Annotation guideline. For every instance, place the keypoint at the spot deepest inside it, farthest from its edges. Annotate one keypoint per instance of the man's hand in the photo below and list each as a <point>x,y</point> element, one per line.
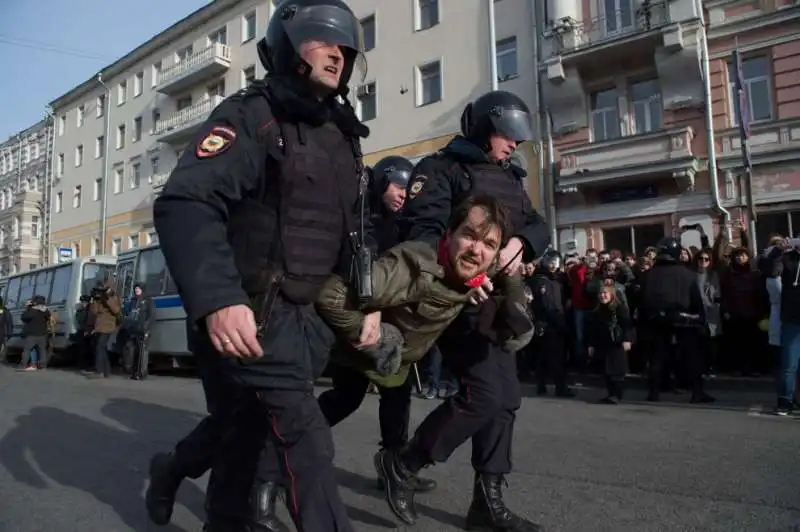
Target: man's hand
<point>233,332</point>
<point>626,346</point>
<point>481,294</point>
<point>590,351</point>
<point>511,257</point>
<point>370,331</point>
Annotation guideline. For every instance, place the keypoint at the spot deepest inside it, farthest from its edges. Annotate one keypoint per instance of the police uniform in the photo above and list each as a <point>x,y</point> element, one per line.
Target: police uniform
<point>551,326</point>
<point>258,212</point>
<point>350,385</point>
<point>672,313</point>
<point>489,395</point>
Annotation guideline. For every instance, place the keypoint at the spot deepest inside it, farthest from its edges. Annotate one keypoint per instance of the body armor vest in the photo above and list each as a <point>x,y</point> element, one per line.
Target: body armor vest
<point>295,225</point>
<point>493,180</point>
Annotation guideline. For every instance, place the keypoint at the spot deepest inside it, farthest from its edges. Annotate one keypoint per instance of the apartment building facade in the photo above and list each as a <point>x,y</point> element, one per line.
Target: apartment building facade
<point>25,176</point>
<point>624,85</point>
<point>426,60</point>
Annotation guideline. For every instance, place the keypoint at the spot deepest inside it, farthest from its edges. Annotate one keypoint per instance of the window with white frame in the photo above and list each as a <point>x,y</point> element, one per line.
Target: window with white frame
<point>34,226</point>
<point>136,175</point>
<point>76,197</point>
<point>97,192</point>
<point>100,105</point>
<point>248,76</point>
<point>133,241</point>
<point>79,155</point>
<point>118,179</point>
<point>17,227</point>
<point>76,249</point>
<point>757,89</point>
<point>249,26</point>
<point>218,37</point>
<point>120,136</point>
<point>99,146</point>
<point>137,129</point>
<point>59,200</point>
<point>618,16</point>
<point>646,103</point>
<point>368,30</point>
<point>122,92</point>
<point>138,84</point>
<point>62,124</point>
<point>155,72</point>
<point>152,238</point>
<point>60,165</point>
<point>427,14</point>
<point>184,53</point>
<point>507,59</point>
<point>217,88</point>
<point>367,101</point>
<point>153,169</point>
<point>26,154</point>
<point>429,83</point>
<point>80,115</point>
<point>95,246</point>
<point>605,115</point>
<point>35,153</point>
<point>116,246</point>
<point>183,103</point>
<point>156,116</point>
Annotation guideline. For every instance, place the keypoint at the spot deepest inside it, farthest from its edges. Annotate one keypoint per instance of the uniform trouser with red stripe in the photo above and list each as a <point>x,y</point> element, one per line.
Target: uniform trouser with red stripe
<point>484,410</point>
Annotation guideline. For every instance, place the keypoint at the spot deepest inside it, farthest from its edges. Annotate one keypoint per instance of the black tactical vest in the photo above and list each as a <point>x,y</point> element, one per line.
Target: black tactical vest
<point>493,180</point>
<point>295,225</point>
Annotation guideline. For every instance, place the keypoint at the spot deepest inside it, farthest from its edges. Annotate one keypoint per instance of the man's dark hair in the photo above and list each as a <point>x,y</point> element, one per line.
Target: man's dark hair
<point>496,214</point>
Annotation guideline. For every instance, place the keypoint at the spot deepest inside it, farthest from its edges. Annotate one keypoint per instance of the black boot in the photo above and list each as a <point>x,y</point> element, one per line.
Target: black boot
<point>397,481</point>
<point>488,512</point>
<point>264,498</point>
<point>164,484</point>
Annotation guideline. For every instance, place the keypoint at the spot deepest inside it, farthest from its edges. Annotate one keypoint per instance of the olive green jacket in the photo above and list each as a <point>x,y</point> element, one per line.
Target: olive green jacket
<point>408,289</point>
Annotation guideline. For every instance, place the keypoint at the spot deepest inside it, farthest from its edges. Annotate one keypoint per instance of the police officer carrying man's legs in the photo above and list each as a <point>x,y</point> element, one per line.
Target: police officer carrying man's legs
<point>273,181</point>
<point>551,325</point>
<point>390,178</point>
<point>671,307</point>
<point>489,395</point>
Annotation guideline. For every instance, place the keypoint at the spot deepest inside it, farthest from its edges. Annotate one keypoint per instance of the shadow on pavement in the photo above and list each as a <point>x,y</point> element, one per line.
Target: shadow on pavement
<point>106,462</point>
<point>368,486</point>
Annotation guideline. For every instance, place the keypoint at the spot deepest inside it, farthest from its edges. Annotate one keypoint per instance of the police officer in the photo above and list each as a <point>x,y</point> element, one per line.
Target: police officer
<point>273,179</point>
<point>489,394</point>
<point>551,325</point>
<point>390,178</point>
<point>672,314</point>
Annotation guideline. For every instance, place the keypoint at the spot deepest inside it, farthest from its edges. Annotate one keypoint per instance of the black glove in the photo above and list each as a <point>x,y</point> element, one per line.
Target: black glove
<point>388,354</point>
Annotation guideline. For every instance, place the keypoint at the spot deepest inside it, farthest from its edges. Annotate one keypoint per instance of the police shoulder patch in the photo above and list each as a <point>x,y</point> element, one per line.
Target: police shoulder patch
<point>218,141</point>
<point>416,186</point>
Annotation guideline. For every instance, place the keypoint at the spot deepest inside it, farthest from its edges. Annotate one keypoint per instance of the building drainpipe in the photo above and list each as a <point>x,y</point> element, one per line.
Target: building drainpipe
<point>492,47</point>
<point>713,172</point>
<point>106,140</point>
<point>49,175</point>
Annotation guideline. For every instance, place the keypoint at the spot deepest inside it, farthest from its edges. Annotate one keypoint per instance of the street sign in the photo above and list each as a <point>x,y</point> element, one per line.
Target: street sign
<point>65,254</point>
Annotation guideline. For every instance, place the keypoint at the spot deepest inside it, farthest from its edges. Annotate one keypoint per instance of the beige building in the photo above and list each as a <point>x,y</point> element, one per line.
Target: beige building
<point>623,81</point>
<point>118,134</point>
<point>25,170</point>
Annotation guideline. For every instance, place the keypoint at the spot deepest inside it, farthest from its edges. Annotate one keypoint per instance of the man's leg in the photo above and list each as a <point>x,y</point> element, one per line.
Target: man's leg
<point>346,395</point>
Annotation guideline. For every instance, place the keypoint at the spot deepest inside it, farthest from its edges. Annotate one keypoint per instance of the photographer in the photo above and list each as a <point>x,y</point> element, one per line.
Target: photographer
<point>107,312</point>
<point>35,319</point>
<point>788,254</point>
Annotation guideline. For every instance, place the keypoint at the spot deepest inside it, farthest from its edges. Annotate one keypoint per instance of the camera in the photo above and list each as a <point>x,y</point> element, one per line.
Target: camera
<point>99,292</point>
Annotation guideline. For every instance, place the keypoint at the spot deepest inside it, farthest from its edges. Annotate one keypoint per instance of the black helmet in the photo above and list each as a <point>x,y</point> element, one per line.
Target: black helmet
<point>668,249</point>
<point>497,112</point>
<point>392,170</point>
<point>551,260</point>
<point>297,21</point>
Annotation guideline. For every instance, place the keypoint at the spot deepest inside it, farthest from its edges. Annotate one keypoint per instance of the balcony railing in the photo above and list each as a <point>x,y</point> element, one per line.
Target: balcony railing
<point>184,121</point>
<point>571,35</point>
<point>206,63</point>
<point>160,179</point>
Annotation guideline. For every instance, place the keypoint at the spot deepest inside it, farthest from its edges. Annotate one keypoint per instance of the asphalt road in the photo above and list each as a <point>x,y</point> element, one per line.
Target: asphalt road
<point>73,457</point>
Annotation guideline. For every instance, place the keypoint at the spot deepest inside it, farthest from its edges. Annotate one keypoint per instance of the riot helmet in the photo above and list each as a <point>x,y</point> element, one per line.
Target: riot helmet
<point>392,170</point>
<point>550,261</point>
<point>668,249</point>
<point>327,21</point>
<point>497,112</point>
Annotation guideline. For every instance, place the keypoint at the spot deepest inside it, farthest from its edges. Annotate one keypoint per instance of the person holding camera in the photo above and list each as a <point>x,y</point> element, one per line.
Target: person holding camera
<point>107,312</point>
<point>35,321</point>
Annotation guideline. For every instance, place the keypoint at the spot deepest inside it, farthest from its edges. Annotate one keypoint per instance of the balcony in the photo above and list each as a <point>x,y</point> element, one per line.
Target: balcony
<point>770,142</point>
<point>180,125</point>
<point>205,64</point>
<point>160,179</point>
<point>631,159</point>
<point>637,28</point>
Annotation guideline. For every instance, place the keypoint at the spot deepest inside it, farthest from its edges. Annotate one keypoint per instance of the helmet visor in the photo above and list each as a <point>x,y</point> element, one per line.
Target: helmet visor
<point>515,124</point>
<point>331,25</point>
<point>398,177</point>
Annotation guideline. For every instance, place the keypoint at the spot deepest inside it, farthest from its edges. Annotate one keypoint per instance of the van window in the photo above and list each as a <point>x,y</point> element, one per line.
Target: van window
<point>62,276</point>
<point>151,271</point>
<point>43,281</point>
<point>12,295</point>
<point>26,287</point>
